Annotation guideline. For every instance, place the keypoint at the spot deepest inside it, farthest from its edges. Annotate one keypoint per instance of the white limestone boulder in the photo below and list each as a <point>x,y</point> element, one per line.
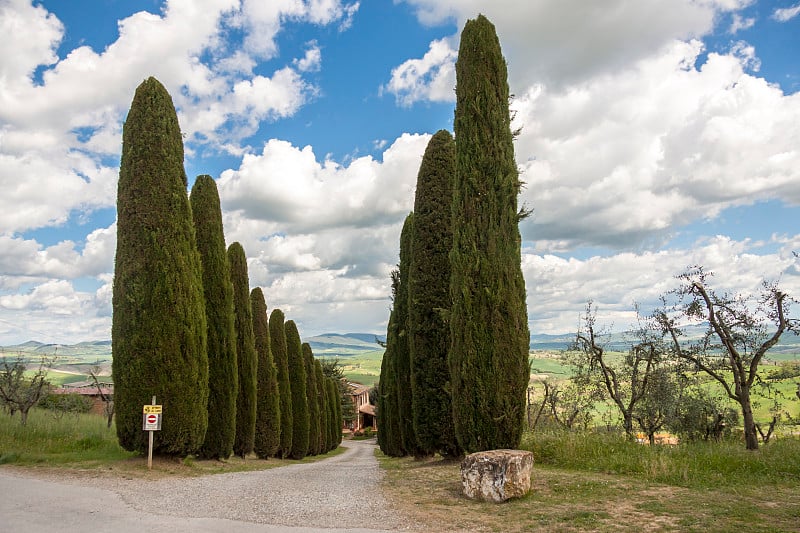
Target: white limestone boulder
<point>497,475</point>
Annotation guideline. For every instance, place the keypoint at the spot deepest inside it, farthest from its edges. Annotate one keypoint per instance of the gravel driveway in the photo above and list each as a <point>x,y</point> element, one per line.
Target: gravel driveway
<point>337,494</point>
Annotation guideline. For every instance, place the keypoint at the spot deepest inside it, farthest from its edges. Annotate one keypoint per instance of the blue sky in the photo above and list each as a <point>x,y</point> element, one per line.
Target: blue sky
<point>655,135</point>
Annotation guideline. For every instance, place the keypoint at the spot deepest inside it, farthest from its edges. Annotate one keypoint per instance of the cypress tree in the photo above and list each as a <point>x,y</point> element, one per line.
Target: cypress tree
<point>245,351</point>
<point>326,414</point>
<point>277,335</point>
<point>297,380</point>
<point>268,406</point>
<point>429,295</point>
<point>319,379</point>
<point>159,320</point>
<point>402,353</point>
<point>488,319</point>
<point>223,378</point>
<point>334,414</point>
<point>389,438</point>
<point>338,418</point>
<point>313,401</point>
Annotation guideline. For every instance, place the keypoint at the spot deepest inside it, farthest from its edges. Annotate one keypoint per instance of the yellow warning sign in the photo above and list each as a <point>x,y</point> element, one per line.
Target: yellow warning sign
<point>152,410</point>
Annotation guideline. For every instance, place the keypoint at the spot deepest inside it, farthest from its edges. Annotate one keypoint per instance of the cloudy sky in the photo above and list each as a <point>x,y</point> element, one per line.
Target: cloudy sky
<point>656,134</point>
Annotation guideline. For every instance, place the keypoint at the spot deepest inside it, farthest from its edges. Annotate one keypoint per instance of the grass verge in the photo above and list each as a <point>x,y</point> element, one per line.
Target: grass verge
<point>83,443</point>
<point>615,488</point>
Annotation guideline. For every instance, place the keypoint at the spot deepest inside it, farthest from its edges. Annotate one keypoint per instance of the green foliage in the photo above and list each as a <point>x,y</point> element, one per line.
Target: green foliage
<point>429,297</point>
<point>700,464</point>
<point>21,389</point>
<point>333,369</point>
<point>701,415</point>
<point>322,398</point>
<point>277,337</point>
<point>62,404</point>
<point>334,401</point>
<point>488,320</point>
<point>297,378</point>
<point>313,401</point>
<point>223,377</point>
<point>159,319</point>
<point>268,403</point>
<point>389,438</point>
<point>329,392</point>
<point>58,441</point>
<point>336,410</point>
<point>786,370</point>
<point>740,331</point>
<point>245,352</point>
<point>402,348</point>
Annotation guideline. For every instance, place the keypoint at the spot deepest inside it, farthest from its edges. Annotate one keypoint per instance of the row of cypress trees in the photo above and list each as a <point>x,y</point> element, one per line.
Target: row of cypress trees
<point>186,327</point>
<point>455,370</point>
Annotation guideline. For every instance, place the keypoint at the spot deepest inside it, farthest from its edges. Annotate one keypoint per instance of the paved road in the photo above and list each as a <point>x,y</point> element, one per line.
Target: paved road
<point>339,494</point>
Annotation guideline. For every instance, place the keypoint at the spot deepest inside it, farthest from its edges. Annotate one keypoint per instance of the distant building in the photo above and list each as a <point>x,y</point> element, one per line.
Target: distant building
<point>365,411</point>
<point>88,388</point>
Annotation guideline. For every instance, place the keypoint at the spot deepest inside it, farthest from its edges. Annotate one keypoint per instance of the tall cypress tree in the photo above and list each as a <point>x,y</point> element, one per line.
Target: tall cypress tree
<point>297,380</point>
<point>245,351</point>
<point>488,319</point>
<point>268,401</point>
<point>335,414</point>
<point>313,401</point>
<point>319,379</point>
<point>223,377</point>
<point>389,437</point>
<point>429,296</point>
<point>277,335</point>
<point>338,410</point>
<point>402,353</point>
<point>159,320</point>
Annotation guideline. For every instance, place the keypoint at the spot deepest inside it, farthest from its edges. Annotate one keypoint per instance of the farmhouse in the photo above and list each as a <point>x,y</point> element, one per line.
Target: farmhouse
<point>88,388</point>
<point>365,411</point>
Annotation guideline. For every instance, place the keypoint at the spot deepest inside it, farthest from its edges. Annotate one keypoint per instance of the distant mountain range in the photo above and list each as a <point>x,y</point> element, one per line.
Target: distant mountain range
<point>622,341</point>
<point>349,344</point>
<point>93,350</point>
<point>327,345</point>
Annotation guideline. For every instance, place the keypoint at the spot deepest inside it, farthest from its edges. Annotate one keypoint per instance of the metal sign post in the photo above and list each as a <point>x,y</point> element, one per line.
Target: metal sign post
<point>151,421</point>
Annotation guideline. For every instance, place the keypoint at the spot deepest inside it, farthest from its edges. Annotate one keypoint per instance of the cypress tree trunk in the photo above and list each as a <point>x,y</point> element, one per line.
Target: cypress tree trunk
<point>277,334</point>
<point>313,401</point>
<point>402,354</point>
<point>429,295</point>
<point>159,318</point>
<point>297,378</point>
<point>268,406</point>
<point>223,377</point>
<point>322,438</point>
<point>245,351</point>
<point>488,320</point>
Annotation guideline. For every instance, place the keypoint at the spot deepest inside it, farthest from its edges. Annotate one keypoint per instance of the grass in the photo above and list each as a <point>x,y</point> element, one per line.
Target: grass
<point>364,368</point>
<point>83,442</point>
<point>695,465</point>
<point>48,441</point>
<point>596,482</point>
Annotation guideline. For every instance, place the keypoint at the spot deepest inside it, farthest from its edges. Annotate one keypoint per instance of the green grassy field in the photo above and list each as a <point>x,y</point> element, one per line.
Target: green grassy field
<point>84,442</point>
<point>51,441</point>
<point>364,368</point>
